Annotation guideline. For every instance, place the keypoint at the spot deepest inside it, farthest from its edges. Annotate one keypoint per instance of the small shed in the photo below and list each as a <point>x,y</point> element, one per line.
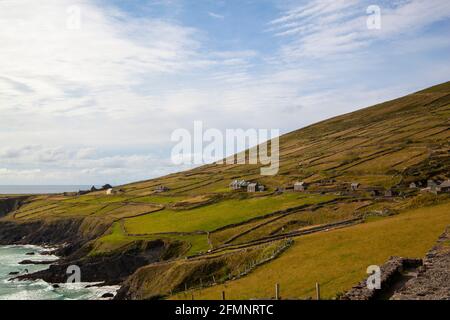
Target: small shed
<point>279,190</point>
<point>355,186</point>
<point>300,186</point>
<point>255,187</point>
<point>252,187</point>
<point>161,189</point>
<point>389,193</point>
<point>413,185</point>
<point>109,191</point>
<point>431,184</point>
<point>444,187</point>
<point>239,184</point>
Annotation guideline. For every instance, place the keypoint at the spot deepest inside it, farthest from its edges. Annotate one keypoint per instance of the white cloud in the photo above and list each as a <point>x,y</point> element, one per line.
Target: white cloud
<point>324,28</point>
<point>99,104</point>
<point>216,15</point>
<point>53,63</point>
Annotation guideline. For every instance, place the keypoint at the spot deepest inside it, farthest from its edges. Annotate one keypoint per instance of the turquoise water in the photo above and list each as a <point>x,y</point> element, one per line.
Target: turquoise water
<point>10,256</point>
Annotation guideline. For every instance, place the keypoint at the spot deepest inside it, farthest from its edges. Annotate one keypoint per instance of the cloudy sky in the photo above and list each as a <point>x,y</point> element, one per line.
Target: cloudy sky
<point>90,91</point>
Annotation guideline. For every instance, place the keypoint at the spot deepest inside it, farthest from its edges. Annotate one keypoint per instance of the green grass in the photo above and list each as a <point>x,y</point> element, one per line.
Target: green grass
<point>211,217</point>
<point>338,259</point>
<point>158,199</point>
<point>116,239</point>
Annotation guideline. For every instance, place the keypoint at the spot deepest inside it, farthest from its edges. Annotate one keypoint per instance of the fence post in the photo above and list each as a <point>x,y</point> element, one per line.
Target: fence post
<point>277,291</point>
<point>223,295</point>
<point>317,291</point>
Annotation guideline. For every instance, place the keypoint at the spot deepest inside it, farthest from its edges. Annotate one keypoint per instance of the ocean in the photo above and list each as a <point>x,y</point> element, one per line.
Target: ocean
<point>10,256</point>
<point>42,189</point>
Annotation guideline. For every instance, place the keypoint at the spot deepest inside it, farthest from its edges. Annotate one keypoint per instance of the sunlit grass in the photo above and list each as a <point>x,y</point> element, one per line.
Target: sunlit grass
<point>217,215</point>
<point>338,259</point>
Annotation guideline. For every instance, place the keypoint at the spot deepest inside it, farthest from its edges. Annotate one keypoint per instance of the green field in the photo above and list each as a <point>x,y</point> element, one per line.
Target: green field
<point>338,259</point>
<point>211,217</point>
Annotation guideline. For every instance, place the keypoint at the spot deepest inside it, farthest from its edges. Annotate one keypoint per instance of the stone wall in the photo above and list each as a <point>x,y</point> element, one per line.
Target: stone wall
<point>433,279</point>
<point>391,272</point>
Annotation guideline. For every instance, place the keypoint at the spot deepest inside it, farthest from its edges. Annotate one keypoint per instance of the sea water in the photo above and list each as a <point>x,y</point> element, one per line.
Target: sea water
<point>10,289</point>
<point>42,189</point>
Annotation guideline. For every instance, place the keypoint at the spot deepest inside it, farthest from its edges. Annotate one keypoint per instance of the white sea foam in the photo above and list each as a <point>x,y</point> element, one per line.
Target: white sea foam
<point>10,256</point>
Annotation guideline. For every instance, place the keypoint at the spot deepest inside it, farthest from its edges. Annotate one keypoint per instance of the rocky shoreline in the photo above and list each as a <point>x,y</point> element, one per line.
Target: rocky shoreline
<point>74,246</point>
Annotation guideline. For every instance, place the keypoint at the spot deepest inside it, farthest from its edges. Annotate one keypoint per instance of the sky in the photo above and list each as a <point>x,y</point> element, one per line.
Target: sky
<point>91,90</point>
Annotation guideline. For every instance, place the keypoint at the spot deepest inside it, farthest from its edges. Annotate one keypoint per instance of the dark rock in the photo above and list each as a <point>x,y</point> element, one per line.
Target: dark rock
<point>30,253</point>
<point>56,286</point>
<point>111,269</point>
<point>30,262</point>
<point>108,295</point>
<point>15,273</point>
<point>11,204</point>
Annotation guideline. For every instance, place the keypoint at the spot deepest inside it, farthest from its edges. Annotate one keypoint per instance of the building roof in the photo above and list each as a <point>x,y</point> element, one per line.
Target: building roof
<point>445,184</point>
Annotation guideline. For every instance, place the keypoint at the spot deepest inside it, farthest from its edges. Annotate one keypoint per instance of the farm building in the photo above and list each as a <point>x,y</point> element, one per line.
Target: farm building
<point>355,186</point>
<point>161,189</point>
<point>431,184</point>
<point>109,191</point>
<point>279,190</point>
<point>389,193</point>
<point>412,185</point>
<point>375,193</point>
<point>239,184</point>
<point>444,187</point>
<point>255,187</point>
<point>300,186</point>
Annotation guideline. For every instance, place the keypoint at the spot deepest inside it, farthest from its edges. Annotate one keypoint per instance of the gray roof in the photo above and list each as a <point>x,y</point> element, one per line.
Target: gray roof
<point>445,184</point>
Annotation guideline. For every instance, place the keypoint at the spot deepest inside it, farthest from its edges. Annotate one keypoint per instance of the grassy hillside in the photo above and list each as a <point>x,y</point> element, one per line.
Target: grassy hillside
<point>385,146</point>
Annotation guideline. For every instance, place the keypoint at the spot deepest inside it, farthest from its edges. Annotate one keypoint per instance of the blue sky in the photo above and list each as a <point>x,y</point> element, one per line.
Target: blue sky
<point>91,90</point>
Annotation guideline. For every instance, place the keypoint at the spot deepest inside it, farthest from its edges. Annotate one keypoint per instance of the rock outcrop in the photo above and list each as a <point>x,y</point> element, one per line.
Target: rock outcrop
<point>11,204</point>
<point>113,268</point>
